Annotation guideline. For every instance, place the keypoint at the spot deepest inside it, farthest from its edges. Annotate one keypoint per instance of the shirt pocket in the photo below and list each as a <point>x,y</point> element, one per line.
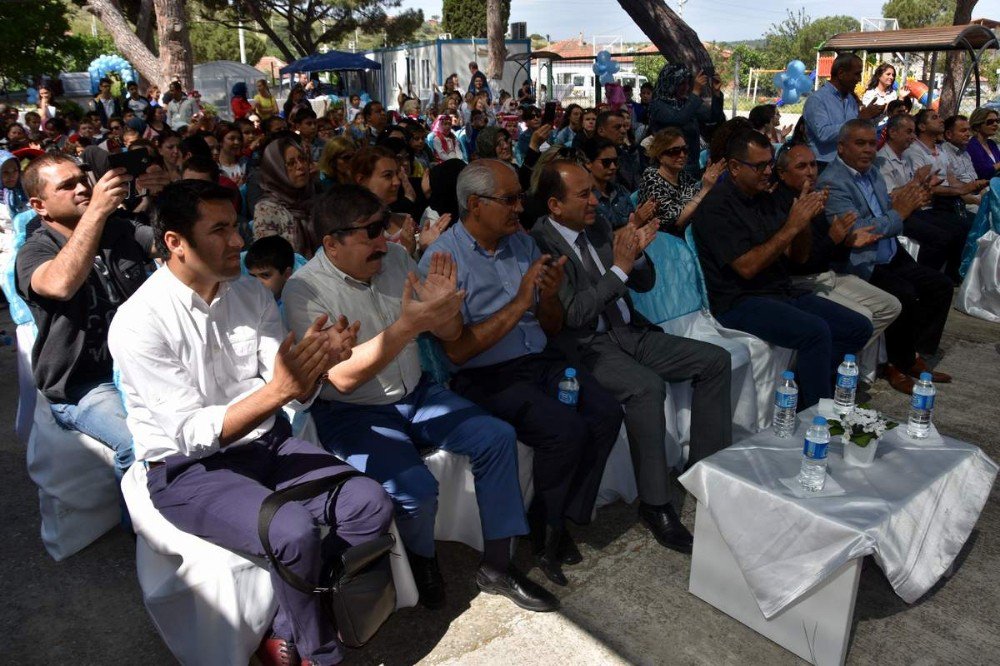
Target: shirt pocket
<point>243,354</point>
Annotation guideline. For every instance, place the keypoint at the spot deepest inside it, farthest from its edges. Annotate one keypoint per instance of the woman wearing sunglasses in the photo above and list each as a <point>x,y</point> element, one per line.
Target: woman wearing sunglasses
<point>614,201</point>
<point>982,148</point>
<point>676,192</point>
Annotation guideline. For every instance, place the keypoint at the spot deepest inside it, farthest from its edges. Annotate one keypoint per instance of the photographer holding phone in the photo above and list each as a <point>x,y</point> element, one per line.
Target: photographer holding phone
<point>678,102</point>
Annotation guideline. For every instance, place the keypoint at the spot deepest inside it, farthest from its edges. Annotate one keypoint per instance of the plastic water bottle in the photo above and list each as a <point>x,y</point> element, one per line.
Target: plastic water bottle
<point>569,388</point>
<point>786,400</point>
<point>921,406</point>
<point>847,385</point>
<point>812,474</point>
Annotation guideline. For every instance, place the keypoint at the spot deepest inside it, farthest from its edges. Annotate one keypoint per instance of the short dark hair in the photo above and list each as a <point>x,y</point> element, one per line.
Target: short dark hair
<point>195,144</point>
<point>603,117</point>
<point>594,146</point>
<point>738,147</point>
<point>921,117</point>
<point>761,116</point>
<point>302,113</point>
<point>202,164</point>
<point>176,209</point>
<point>270,252</point>
<point>550,181</point>
<point>367,111</point>
<point>646,86</point>
<point>842,62</point>
<point>266,125</point>
<point>342,206</point>
<point>31,179</point>
<point>104,80</point>
<point>949,122</point>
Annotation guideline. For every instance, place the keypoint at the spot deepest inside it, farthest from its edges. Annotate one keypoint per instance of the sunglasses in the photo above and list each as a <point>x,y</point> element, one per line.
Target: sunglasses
<point>992,121</point>
<point>676,151</point>
<point>373,229</point>
<point>607,162</point>
<point>759,167</point>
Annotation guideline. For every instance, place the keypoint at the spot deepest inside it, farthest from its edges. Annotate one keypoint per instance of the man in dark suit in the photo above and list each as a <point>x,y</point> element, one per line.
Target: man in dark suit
<point>626,354</point>
<point>105,104</point>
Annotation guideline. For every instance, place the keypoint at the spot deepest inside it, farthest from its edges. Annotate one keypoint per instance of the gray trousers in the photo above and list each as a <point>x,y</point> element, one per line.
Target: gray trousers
<point>634,364</point>
<point>852,292</point>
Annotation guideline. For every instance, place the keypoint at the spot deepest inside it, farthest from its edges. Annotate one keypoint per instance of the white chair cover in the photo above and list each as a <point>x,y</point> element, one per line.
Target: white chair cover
<point>911,246</point>
<point>458,513</point>
<point>979,294</point>
<point>77,493</point>
<point>211,605</point>
<point>25,337</point>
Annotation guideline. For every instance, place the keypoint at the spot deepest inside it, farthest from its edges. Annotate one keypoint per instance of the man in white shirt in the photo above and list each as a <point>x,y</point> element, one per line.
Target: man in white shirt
<point>957,134</point>
<point>378,411</point>
<point>206,368</point>
<point>940,232</point>
<point>180,108</point>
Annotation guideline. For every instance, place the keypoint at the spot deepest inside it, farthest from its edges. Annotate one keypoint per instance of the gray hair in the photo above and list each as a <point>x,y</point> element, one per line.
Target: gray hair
<point>851,125</point>
<point>477,179</point>
<point>895,121</point>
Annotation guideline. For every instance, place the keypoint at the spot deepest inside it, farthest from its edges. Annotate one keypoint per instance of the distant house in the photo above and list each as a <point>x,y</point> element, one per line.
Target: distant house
<point>573,77</point>
<point>270,66</point>
<point>416,68</point>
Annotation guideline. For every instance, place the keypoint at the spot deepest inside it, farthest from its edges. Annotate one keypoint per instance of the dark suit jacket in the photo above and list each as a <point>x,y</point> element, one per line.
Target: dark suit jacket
<point>119,109</point>
<point>582,300</point>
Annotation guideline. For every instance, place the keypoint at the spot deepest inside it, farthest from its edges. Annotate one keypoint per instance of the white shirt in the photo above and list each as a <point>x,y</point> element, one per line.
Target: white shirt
<point>895,169</point>
<point>183,362</point>
<point>919,155</point>
<point>571,235</point>
<point>320,288</point>
<point>960,162</point>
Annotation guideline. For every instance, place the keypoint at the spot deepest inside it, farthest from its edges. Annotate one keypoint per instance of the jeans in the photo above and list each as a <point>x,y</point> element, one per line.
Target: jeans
<point>384,442</point>
<point>99,413</point>
<point>820,330</point>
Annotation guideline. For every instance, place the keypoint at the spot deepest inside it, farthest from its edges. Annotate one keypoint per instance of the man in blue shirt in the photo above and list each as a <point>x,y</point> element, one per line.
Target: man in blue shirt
<point>507,367</point>
<point>831,106</point>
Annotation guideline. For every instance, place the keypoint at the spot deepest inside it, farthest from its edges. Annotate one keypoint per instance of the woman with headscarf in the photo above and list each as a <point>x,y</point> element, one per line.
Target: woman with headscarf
<point>286,195</point>
<point>13,197</point>
<point>495,143</point>
<point>677,102</point>
<point>240,104</point>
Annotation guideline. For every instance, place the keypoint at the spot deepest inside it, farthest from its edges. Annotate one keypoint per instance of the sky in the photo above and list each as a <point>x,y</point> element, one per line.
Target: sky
<point>713,20</point>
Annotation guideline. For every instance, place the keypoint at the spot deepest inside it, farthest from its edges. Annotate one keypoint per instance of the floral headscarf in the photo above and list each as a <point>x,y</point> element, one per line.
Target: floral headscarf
<point>670,78</point>
<point>14,198</point>
<point>437,131</point>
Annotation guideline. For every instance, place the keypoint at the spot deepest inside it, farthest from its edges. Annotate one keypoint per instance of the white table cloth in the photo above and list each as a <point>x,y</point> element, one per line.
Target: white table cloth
<point>913,509</point>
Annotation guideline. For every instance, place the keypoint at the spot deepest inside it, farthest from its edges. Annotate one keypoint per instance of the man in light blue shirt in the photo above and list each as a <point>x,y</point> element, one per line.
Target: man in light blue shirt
<point>831,106</point>
<point>507,367</point>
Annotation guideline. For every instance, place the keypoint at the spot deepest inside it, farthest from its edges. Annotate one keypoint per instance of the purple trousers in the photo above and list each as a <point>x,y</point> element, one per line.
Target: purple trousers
<point>218,498</point>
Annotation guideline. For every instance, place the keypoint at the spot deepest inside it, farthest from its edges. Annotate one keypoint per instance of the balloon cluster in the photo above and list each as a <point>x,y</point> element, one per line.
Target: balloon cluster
<point>605,68</point>
<point>104,65</point>
<point>793,82</point>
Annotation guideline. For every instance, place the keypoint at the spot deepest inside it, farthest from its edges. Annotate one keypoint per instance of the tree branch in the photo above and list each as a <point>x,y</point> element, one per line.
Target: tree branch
<point>669,33</point>
<point>137,53</point>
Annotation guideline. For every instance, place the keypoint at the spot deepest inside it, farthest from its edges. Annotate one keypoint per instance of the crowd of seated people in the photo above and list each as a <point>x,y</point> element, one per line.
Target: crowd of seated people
<point>513,244</point>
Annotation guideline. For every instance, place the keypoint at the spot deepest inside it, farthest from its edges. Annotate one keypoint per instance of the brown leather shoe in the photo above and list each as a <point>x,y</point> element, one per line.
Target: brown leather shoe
<point>920,365</point>
<point>898,380</point>
<point>274,651</point>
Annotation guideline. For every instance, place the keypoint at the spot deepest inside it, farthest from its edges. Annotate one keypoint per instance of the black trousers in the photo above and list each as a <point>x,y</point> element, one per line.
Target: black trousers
<point>571,445</point>
<point>925,295</point>
<point>941,233</point>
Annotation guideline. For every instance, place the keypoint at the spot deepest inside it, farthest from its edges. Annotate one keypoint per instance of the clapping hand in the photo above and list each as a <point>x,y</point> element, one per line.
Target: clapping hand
<point>862,237</point>
<point>646,211</point>
<point>342,337</point>
<point>431,230</point>
<point>712,173</point>
<point>298,366</point>
<point>840,228</point>
<point>441,305</point>
<point>806,206</point>
<point>550,277</point>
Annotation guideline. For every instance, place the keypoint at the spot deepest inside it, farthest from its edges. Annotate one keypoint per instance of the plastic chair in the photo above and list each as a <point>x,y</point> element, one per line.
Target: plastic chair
<point>25,331</point>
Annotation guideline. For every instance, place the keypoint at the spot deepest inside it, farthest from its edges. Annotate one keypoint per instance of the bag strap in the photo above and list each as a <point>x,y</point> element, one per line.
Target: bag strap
<point>276,500</point>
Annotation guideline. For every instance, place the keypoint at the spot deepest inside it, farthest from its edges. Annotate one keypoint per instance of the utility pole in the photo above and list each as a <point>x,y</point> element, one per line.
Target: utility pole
<point>243,43</point>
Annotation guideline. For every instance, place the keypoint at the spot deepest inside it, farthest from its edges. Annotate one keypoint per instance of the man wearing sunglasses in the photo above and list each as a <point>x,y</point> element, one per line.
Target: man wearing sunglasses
<point>744,243</point>
<point>630,357</point>
<point>378,411</point>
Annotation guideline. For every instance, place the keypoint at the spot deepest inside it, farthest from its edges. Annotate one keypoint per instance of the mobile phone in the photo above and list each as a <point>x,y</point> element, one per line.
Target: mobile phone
<point>135,162</point>
<point>549,114</point>
<point>709,72</point>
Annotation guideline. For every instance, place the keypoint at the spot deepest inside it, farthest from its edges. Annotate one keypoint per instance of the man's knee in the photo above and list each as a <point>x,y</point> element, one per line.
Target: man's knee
<point>368,504</point>
<point>414,490</point>
<point>294,534</point>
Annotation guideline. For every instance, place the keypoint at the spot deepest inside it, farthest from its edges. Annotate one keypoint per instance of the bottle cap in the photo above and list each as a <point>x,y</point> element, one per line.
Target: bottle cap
<point>788,374</point>
<point>571,372</point>
<point>819,420</point>
<point>850,358</point>
<point>926,377</point>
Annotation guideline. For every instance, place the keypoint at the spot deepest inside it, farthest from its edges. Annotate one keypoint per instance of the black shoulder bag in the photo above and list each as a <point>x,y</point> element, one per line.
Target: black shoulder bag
<point>357,590</point>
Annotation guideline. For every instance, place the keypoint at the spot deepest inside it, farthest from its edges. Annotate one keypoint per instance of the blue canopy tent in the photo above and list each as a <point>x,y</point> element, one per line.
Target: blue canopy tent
<point>334,61</point>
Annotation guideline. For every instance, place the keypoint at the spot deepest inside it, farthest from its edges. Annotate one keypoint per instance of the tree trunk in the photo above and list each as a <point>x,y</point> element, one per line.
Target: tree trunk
<point>954,68</point>
<point>126,41</point>
<point>495,31</point>
<point>676,40</point>
<point>176,57</point>
<point>144,31</point>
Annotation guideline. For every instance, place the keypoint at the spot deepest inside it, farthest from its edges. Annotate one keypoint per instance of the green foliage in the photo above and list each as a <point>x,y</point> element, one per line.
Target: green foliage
<point>212,41</point>
<point>649,66</point>
<point>920,13</point>
<point>34,38</point>
<point>467,18</point>
<point>798,36</point>
<point>87,48</point>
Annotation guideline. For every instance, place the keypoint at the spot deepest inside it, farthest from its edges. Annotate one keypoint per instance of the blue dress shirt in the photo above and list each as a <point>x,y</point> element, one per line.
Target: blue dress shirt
<point>825,112</point>
<point>491,281</point>
<point>885,249</point>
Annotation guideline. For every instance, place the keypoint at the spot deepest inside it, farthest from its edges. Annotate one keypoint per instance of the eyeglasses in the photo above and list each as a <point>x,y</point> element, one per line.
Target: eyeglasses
<point>607,162</point>
<point>991,121</point>
<point>759,167</point>
<point>509,200</point>
<point>676,151</point>
<point>373,229</point>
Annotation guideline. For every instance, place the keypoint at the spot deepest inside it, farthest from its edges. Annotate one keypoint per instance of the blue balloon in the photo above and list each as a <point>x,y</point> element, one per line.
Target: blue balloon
<point>779,80</point>
<point>796,68</point>
<point>780,103</point>
<point>599,68</point>
<point>614,67</point>
<point>607,77</point>
<point>603,56</point>
<point>790,96</point>
<point>803,84</point>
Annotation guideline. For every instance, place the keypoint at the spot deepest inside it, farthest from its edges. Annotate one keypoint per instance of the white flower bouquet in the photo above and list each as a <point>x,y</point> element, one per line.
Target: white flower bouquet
<point>861,425</point>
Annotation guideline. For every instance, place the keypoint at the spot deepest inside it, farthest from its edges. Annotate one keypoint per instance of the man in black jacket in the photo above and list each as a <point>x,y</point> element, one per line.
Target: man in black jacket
<point>625,353</point>
<point>831,244</point>
<point>106,105</point>
<point>74,271</point>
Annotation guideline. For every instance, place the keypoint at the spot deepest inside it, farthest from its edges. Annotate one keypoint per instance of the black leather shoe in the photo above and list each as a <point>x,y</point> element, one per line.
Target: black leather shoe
<point>549,560</point>
<point>666,527</point>
<point>428,578</point>
<point>517,587</point>
<point>568,552</point>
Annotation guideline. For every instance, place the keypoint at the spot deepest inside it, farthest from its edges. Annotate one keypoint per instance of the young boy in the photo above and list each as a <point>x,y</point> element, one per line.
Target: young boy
<point>270,260</point>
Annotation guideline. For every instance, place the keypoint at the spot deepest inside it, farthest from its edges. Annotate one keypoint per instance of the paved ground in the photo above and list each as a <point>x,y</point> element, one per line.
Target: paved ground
<point>626,603</point>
